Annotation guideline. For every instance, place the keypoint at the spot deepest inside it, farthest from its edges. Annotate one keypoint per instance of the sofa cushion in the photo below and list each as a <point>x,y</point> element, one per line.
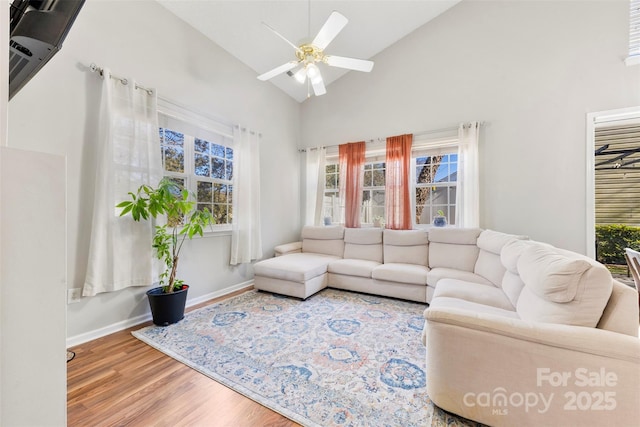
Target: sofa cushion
<point>406,247</point>
<point>323,240</point>
<point>512,286</point>
<point>363,243</point>
<point>488,264</point>
<point>460,304</point>
<point>352,267</point>
<point>550,275</point>
<point>457,236</point>
<point>473,292</point>
<point>402,273</point>
<point>435,274</point>
<point>453,248</point>
<point>297,267</point>
<point>493,241</point>
<point>562,287</point>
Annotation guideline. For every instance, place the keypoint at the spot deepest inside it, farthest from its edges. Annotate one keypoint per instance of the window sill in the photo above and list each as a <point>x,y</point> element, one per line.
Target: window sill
<point>632,60</point>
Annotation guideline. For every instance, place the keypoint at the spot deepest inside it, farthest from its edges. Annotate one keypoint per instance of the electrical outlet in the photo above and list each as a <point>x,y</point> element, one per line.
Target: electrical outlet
<point>74,295</point>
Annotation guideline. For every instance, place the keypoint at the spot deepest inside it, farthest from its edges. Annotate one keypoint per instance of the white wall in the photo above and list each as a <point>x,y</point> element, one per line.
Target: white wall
<point>57,113</point>
<point>32,273</point>
<point>531,70</point>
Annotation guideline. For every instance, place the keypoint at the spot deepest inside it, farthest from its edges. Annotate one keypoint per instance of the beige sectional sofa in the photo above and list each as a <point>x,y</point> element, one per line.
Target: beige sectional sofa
<point>518,332</point>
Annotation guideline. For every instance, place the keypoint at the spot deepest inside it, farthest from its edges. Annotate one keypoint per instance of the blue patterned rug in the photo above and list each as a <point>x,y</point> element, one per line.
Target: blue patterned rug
<point>336,359</point>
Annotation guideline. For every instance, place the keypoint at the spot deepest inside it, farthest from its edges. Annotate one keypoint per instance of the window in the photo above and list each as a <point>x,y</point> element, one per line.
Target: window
<point>372,193</point>
<point>435,165</point>
<point>435,187</point>
<point>197,154</point>
<point>207,172</point>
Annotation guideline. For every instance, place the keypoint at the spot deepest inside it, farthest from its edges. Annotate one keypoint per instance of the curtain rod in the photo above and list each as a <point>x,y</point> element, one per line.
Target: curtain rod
<point>94,68</point>
<point>373,140</point>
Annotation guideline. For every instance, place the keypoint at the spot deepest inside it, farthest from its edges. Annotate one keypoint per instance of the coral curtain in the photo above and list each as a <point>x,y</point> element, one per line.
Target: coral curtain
<point>246,237</point>
<point>468,187</point>
<point>120,252</point>
<point>397,186</point>
<point>351,160</point>
<point>315,183</point>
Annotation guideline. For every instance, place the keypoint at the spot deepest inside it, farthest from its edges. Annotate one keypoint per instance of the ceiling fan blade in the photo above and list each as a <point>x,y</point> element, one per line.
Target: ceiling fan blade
<point>335,23</point>
<point>282,37</point>
<point>278,70</point>
<point>349,63</point>
<point>318,86</point>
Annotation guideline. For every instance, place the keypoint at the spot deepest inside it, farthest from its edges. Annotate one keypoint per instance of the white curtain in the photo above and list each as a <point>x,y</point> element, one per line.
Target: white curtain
<point>315,167</point>
<point>468,187</point>
<point>246,240</point>
<point>120,252</point>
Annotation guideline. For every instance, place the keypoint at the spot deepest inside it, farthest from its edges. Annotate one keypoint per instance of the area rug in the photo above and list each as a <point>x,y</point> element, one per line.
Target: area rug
<point>335,359</point>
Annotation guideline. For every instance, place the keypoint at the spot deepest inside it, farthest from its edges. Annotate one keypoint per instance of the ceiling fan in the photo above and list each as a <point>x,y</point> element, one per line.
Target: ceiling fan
<point>309,54</point>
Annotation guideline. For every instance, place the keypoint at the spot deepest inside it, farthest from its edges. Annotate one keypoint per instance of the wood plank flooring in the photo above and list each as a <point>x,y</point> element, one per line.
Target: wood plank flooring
<point>118,380</point>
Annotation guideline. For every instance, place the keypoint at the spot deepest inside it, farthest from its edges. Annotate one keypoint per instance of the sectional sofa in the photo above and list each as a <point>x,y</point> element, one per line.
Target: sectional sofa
<point>517,332</point>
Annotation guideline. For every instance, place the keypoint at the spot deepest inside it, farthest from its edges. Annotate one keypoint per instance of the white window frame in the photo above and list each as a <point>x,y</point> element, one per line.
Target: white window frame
<point>447,184</point>
<point>634,33</point>
<point>194,125</point>
<point>428,145</point>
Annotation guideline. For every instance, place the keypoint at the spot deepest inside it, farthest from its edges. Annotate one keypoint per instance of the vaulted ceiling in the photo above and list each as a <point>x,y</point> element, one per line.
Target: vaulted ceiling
<point>236,26</point>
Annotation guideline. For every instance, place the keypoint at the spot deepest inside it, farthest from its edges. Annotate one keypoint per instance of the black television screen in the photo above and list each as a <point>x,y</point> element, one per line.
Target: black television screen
<point>37,30</point>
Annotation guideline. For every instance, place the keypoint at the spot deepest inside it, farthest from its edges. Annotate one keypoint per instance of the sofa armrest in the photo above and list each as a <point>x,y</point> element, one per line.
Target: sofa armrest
<point>505,371</point>
<point>288,248</point>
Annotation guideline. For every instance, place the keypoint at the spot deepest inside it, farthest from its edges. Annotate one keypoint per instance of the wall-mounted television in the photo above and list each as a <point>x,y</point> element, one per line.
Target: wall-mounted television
<point>37,30</point>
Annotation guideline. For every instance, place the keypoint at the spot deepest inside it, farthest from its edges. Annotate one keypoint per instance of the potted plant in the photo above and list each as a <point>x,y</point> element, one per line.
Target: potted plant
<point>440,220</point>
<point>184,221</point>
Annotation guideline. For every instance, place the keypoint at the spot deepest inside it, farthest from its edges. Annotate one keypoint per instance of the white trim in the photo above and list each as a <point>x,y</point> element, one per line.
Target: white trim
<point>632,60</point>
<point>593,120</point>
<point>127,323</point>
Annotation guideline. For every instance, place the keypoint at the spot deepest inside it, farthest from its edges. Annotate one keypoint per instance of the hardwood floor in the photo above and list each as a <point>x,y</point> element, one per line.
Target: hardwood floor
<point>118,380</point>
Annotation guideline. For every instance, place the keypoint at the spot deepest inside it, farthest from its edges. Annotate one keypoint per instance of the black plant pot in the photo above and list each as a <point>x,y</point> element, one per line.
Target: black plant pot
<point>167,308</point>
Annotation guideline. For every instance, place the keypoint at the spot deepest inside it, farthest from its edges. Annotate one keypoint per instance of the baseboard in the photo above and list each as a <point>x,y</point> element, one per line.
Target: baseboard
<point>124,324</point>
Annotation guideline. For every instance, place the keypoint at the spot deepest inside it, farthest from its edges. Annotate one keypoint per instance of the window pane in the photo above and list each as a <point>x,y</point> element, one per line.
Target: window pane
<point>179,181</point>
<point>202,164</point>
<point>220,213</point>
<point>217,168</point>
<point>378,178</point>
<point>331,181</point>
<point>173,138</point>
<point>201,145</point>
<point>229,153</point>
<point>204,192</point>
<point>368,178</point>
<point>220,193</point>
<point>229,193</point>
<point>440,197</point>
<point>229,171</point>
<point>203,206</point>
<point>331,168</point>
<point>173,159</point>
<point>217,150</point>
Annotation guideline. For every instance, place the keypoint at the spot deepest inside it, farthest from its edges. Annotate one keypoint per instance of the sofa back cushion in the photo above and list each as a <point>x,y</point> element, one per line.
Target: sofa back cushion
<point>406,246</point>
<point>453,248</point>
<point>562,287</point>
<point>323,240</point>
<point>363,243</point>
<point>489,265</point>
<point>512,284</point>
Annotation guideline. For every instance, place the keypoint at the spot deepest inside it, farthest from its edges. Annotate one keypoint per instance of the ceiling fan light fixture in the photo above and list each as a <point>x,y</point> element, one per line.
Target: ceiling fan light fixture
<point>300,75</point>
<point>313,73</point>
